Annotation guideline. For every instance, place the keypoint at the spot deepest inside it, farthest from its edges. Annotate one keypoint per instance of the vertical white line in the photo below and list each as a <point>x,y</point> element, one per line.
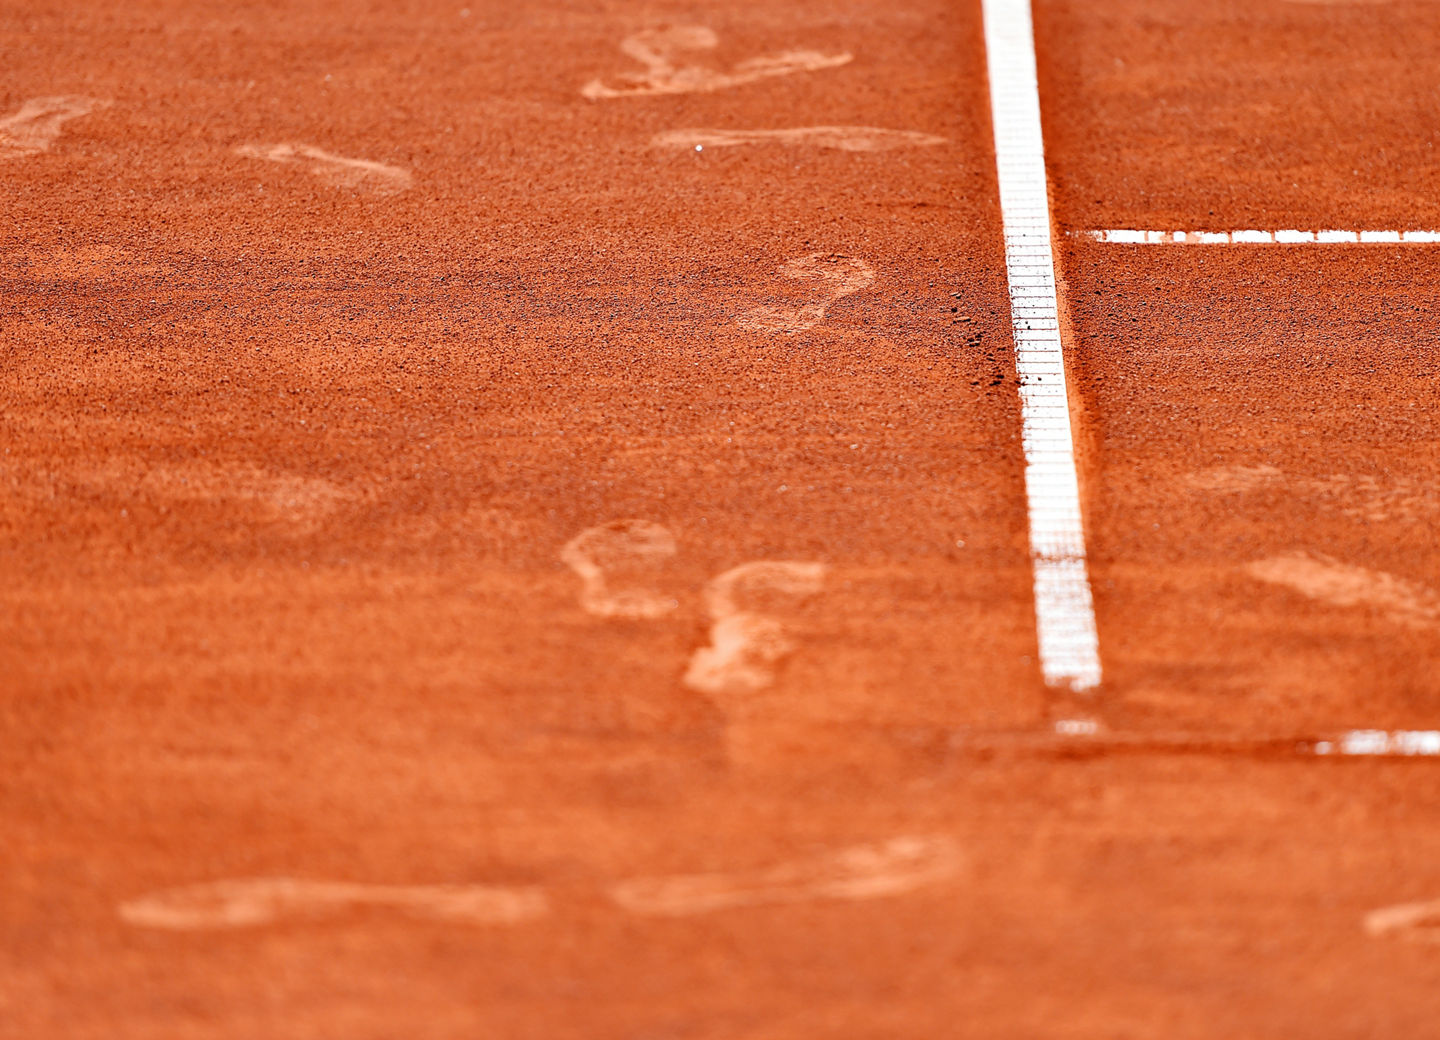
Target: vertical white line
<point>1064,610</point>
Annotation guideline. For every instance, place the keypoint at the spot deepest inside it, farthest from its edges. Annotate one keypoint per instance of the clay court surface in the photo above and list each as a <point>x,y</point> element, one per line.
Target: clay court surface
<point>513,524</point>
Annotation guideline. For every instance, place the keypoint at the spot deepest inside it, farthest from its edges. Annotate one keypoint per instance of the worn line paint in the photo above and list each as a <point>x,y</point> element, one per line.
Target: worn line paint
<point>1382,742</point>
<point>1284,237</point>
<point>1064,608</point>
<point>1366,743</point>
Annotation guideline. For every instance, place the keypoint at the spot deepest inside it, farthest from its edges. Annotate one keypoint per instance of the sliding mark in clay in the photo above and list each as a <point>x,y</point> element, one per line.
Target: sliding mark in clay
<point>1413,922</point>
<point>1360,496</point>
<point>889,868</point>
<point>250,902</point>
<point>1064,608</point>
<point>842,138</point>
<point>335,170</point>
<point>1345,585</point>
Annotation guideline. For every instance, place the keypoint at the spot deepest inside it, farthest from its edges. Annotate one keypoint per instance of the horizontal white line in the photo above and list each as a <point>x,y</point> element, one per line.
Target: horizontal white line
<point>1076,733</point>
<point>1382,742</point>
<point>1284,237</point>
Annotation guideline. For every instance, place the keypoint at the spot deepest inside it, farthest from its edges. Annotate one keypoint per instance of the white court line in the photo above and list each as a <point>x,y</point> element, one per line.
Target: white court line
<point>1133,236</point>
<point>1405,742</point>
<point>1064,609</point>
<point>1363,743</point>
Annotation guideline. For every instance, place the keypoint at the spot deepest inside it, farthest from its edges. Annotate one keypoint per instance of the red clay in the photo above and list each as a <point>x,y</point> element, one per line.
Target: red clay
<point>327,331</point>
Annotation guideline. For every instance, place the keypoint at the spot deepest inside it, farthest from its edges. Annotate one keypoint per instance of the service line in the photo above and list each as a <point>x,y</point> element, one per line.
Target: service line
<point>1086,736</point>
<point>1064,608</point>
<point>1402,742</point>
<point>1364,743</point>
<point>1132,236</point>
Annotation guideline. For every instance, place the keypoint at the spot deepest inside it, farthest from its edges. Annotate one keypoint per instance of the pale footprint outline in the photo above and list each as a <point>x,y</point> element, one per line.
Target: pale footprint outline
<point>841,138</point>
<point>844,275</point>
<point>596,551</point>
<point>746,646</point>
<point>253,902</point>
<point>38,122</point>
<point>656,50</point>
<point>1413,922</point>
<point>335,170</point>
<point>858,872</point>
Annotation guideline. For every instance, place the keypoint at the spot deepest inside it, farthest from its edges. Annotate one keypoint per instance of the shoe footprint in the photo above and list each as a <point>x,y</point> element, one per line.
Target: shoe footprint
<point>656,50</point>
<point>745,645</point>
<point>248,902</point>
<point>617,564</point>
<point>336,170</point>
<point>889,868</point>
<point>843,138</point>
<point>842,274</point>
<point>35,125</point>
